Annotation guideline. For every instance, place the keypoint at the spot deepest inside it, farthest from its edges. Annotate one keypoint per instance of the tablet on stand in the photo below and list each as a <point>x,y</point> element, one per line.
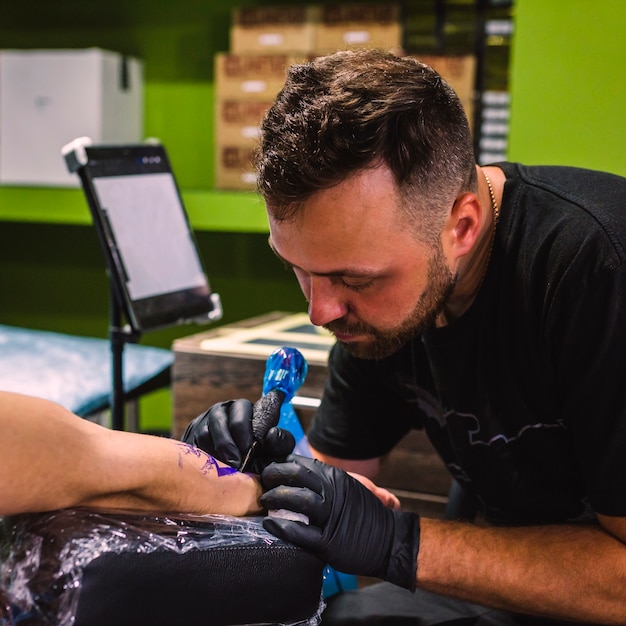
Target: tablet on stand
<point>156,275</point>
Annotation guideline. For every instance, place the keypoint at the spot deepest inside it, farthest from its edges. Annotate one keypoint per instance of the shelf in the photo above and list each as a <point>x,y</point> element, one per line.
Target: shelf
<point>228,211</point>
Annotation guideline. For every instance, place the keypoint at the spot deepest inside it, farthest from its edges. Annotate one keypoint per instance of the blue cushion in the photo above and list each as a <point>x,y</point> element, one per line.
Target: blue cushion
<point>73,371</point>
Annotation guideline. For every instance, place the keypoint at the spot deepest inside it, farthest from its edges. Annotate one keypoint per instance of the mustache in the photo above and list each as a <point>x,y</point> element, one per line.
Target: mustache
<point>342,326</point>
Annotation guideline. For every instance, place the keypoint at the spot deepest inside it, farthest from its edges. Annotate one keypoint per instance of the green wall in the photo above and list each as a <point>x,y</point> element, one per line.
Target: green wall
<point>567,83</point>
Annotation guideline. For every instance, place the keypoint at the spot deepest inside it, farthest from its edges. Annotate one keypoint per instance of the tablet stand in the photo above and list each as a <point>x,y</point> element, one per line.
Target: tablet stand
<point>119,335</point>
<point>130,315</point>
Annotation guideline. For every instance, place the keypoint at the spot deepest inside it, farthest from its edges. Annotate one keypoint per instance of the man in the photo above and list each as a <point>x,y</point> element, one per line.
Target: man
<point>484,305</point>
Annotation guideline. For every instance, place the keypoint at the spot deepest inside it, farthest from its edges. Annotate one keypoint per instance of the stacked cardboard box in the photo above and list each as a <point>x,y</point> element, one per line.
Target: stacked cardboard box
<point>265,41</point>
<point>273,29</point>
<point>315,29</point>
<point>359,25</point>
<point>246,85</point>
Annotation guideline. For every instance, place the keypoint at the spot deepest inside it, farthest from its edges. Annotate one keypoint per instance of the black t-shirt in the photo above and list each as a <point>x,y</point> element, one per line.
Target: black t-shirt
<point>524,397</point>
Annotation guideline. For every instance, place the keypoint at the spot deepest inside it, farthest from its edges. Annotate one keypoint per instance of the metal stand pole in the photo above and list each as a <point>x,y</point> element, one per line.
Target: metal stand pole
<point>119,335</point>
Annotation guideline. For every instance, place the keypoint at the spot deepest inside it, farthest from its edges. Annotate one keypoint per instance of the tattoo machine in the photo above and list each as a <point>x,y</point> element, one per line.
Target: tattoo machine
<point>285,371</point>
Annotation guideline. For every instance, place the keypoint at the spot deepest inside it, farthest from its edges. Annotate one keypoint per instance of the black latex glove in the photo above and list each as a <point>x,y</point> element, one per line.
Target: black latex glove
<point>350,528</point>
<point>225,432</point>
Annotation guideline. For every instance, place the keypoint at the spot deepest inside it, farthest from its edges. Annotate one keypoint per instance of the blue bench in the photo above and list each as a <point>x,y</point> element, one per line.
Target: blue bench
<point>76,371</point>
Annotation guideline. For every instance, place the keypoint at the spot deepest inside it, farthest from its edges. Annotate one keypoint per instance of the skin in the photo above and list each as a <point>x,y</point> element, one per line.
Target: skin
<point>373,278</point>
<point>56,460</point>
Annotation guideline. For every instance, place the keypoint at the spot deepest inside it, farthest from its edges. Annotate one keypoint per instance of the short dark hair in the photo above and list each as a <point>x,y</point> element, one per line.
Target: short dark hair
<point>352,110</point>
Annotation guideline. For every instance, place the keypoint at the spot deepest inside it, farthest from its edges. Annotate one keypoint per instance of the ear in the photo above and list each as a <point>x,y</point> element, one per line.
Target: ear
<point>463,225</point>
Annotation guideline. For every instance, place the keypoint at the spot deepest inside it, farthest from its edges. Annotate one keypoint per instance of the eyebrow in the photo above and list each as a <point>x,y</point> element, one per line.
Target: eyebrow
<point>348,273</point>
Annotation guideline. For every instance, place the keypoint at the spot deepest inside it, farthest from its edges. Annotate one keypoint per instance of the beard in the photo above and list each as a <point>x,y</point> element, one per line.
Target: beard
<point>383,343</point>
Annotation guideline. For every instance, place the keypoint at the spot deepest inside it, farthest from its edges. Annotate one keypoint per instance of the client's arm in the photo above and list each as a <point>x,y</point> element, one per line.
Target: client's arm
<point>52,459</point>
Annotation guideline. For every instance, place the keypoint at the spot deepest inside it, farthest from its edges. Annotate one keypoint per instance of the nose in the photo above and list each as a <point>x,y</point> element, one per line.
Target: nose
<point>326,302</point>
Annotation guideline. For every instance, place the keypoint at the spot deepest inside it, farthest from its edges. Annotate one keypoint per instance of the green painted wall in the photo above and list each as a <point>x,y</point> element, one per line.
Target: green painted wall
<point>567,82</point>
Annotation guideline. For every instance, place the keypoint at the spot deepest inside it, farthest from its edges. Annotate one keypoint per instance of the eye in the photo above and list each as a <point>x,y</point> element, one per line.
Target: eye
<point>356,285</point>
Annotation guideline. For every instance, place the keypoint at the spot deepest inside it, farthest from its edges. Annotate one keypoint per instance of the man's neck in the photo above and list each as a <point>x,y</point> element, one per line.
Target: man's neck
<point>472,273</point>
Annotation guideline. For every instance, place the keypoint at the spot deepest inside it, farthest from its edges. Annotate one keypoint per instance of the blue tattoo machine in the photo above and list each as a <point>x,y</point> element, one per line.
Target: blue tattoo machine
<point>285,371</point>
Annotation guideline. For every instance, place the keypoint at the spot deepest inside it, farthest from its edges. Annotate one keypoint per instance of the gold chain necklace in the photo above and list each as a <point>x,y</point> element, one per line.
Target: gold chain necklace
<point>496,216</point>
<point>494,204</point>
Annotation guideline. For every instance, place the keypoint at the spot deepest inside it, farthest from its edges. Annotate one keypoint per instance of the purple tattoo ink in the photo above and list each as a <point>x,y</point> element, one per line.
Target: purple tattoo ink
<point>209,461</point>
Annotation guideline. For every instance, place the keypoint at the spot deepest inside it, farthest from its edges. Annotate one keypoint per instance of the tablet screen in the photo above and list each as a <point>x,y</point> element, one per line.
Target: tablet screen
<point>145,218</point>
<point>149,246</point>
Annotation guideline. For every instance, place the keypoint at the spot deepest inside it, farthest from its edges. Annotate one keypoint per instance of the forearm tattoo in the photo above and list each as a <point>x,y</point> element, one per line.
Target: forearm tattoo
<point>210,463</point>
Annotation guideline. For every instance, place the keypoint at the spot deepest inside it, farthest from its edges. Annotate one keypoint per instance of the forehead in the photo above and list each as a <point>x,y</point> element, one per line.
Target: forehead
<point>356,222</point>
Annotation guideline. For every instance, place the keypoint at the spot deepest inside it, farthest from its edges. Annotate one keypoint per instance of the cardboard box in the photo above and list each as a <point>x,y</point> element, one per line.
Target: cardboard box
<point>233,166</point>
<point>252,76</point>
<point>347,26</point>
<point>50,97</point>
<point>245,87</point>
<point>239,121</point>
<point>273,29</point>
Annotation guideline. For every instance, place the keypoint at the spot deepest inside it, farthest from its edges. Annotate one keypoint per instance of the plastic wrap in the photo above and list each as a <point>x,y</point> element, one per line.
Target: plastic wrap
<point>50,562</point>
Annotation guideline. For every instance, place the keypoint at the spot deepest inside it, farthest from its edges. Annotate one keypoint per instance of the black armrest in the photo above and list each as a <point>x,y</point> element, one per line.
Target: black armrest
<point>125,568</point>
